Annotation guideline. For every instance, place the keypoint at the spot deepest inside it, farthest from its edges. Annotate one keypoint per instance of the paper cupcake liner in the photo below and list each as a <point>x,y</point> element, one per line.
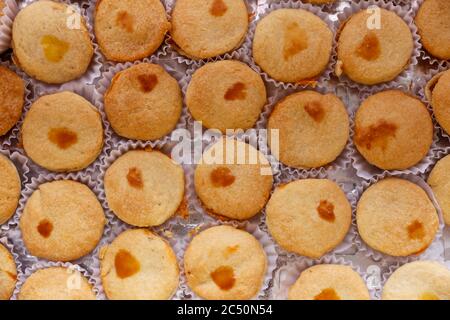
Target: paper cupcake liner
<point>9,246</point>
<point>405,78</point>
<point>368,171</point>
<point>436,248</point>
<point>174,54</point>
<point>263,10</point>
<point>49,264</point>
<point>175,70</point>
<point>93,71</point>
<point>6,21</point>
<point>16,234</point>
<point>252,228</point>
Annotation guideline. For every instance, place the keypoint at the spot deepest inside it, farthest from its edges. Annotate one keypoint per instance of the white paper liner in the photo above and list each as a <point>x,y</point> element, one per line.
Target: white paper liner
<point>10,247</point>
<point>174,54</point>
<point>286,275</point>
<point>175,70</point>
<point>263,10</point>
<point>368,171</point>
<point>49,264</point>
<point>404,79</point>
<point>6,21</point>
<point>436,248</point>
<point>93,71</point>
<point>252,228</point>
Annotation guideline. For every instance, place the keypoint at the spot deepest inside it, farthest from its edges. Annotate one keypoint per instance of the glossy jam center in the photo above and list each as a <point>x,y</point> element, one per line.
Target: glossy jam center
<point>295,40</point>
<point>62,137</point>
<point>147,82</point>
<point>134,178</point>
<point>223,277</point>
<point>326,211</point>
<point>315,111</point>
<point>126,265</point>
<point>416,230</point>
<point>327,294</point>
<point>369,49</point>
<point>54,49</point>
<point>45,228</point>
<point>376,135</point>
<point>236,92</point>
<point>218,8</point>
<point>125,21</point>
<point>222,177</point>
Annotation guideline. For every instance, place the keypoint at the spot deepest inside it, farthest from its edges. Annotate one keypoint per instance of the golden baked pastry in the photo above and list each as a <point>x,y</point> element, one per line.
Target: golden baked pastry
<point>62,132</point>
<point>329,282</point>
<point>387,138</point>
<point>439,181</point>
<point>226,95</point>
<point>292,45</point>
<point>128,30</point>
<point>437,91</point>
<point>433,22</point>
<point>313,129</point>
<point>62,221</point>
<point>371,54</point>
<point>235,186</point>
<point>53,50</point>
<point>224,263</point>
<point>309,217</point>
<point>143,102</point>
<point>144,187</point>
<point>396,217</point>
<point>8,273</point>
<point>208,28</point>
<point>139,265</point>
<point>10,187</point>
<point>56,283</point>
<point>12,92</point>
<point>418,280</point>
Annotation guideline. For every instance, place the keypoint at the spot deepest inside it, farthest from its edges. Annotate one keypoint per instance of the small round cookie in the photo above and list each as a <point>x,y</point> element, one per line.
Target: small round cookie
<point>8,273</point>
<point>418,280</point>
<point>208,28</point>
<point>396,217</point>
<point>143,102</point>
<point>10,187</point>
<point>388,139</point>
<point>433,22</point>
<point>12,98</point>
<point>292,45</point>
<point>128,30</point>
<point>62,221</point>
<point>139,265</point>
<point>313,129</point>
<point>233,180</point>
<point>374,46</point>
<point>224,263</point>
<point>309,217</point>
<point>439,181</point>
<point>62,132</point>
<point>226,95</point>
<point>56,283</point>
<point>144,187</point>
<point>58,48</point>
<point>329,282</point>
<point>437,91</point>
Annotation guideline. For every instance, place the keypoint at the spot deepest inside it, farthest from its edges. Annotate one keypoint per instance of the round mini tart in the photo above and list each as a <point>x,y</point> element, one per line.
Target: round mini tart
<point>313,129</point>
<point>439,181</point>
<point>138,265</point>
<point>10,187</point>
<point>309,217</point>
<point>62,132</point>
<point>388,139</point>
<point>224,263</point>
<point>144,187</point>
<point>329,282</point>
<point>396,217</point>
<point>369,53</point>
<point>8,274</point>
<point>226,95</point>
<point>12,92</point>
<point>53,50</point>
<point>62,221</point>
<point>437,91</point>
<point>143,102</point>
<point>208,28</point>
<point>433,22</point>
<point>56,283</point>
<point>129,30</point>
<point>292,45</point>
<point>418,280</point>
<point>233,180</point>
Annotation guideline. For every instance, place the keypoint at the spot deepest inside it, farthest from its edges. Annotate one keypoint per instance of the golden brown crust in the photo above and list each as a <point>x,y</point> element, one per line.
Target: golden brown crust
<point>438,93</point>
<point>439,180</point>
<point>8,273</point>
<point>12,91</point>
<point>10,187</point>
